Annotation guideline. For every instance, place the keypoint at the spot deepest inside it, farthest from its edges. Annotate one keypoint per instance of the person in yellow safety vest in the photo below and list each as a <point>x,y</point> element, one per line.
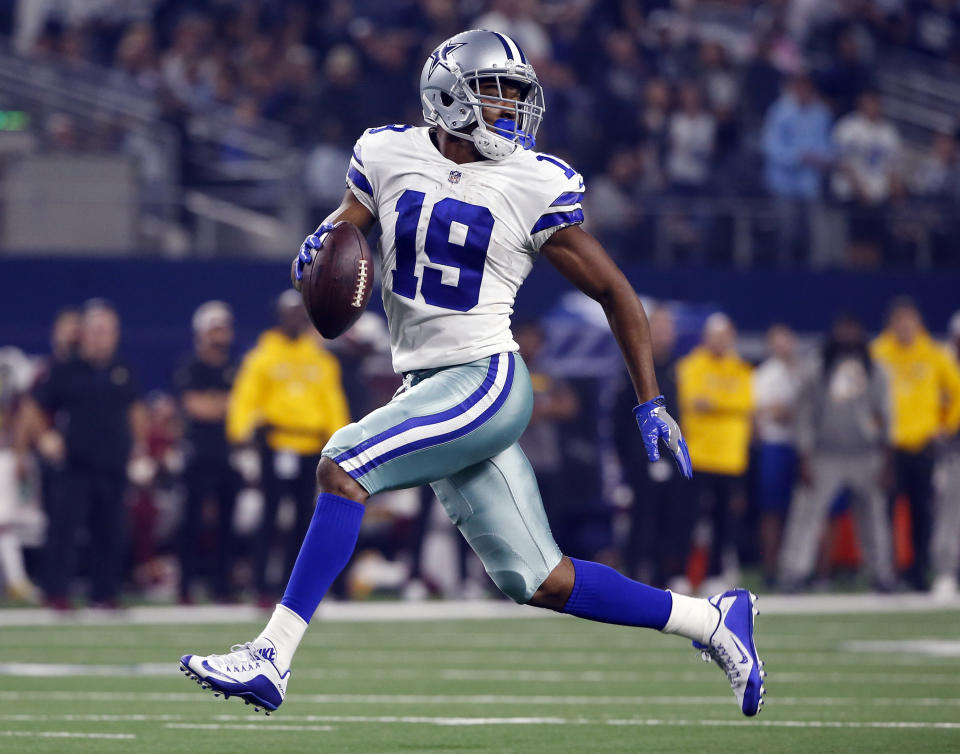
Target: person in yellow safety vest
<point>716,404</point>
<point>925,392</point>
<point>287,400</point>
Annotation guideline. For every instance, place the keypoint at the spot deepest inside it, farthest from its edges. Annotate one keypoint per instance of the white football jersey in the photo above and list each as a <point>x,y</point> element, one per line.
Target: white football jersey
<point>456,240</point>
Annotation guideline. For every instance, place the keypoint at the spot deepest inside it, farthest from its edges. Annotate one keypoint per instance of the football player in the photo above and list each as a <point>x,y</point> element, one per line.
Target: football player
<point>465,206</point>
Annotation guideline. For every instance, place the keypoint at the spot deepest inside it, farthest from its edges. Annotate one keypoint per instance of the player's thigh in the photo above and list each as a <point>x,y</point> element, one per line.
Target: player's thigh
<point>498,509</point>
<point>447,421</point>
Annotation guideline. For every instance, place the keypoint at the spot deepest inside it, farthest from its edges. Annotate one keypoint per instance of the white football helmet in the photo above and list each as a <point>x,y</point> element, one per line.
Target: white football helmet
<point>450,91</point>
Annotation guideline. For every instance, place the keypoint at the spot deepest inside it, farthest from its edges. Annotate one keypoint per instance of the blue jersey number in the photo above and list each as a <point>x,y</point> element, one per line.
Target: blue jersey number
<point>469,257</point>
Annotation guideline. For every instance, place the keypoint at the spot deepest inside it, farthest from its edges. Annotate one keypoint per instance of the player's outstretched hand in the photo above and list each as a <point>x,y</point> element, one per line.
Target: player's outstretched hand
<point>655,425</point>
<point>313,241</point>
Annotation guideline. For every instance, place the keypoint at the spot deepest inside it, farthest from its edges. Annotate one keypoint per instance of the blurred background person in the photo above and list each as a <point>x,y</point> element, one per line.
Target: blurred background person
<point>554,402</point>
<point>776,384</point>
<point>925,390</point>
<point>95,425</point>
<point>31,422</point>
<point>796,148</point>
<point>691,138</point>
<point>661,515</point>
<point>64,335</point>
<point>866,176</point>
<point>715,392</point>
<point>946,523</point>
<point>203,382</point>
<point>842,428</point>
<point>16,487</point>
<point>287,400</point>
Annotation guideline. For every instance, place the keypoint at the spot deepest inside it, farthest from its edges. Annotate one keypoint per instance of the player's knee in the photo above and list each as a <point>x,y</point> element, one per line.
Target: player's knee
<point>517,585</point>
<point>556,589</point>
<point>331,478</point>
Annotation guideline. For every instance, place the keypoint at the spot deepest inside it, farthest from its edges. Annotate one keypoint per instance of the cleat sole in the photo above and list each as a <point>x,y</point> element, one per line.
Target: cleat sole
<point>256,702</point>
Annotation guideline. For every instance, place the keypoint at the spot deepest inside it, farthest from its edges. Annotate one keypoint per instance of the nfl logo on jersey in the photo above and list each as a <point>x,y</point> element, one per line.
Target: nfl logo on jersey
<point>454,176</point>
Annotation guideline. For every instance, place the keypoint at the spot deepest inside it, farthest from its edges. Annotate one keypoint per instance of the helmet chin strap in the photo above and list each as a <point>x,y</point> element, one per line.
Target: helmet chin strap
<point>493,146</point>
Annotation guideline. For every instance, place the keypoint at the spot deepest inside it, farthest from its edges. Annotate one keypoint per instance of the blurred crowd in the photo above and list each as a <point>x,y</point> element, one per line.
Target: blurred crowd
<point>652,100</point>
<point>834,461</point>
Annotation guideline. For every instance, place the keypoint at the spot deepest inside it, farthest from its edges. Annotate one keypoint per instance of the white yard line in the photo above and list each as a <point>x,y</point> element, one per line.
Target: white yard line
<point>248,726</point>
<point>382,612</point>
<point>434,699</point>
<point>225,723</point>
<point>793,724</point>
<point>644,722</point>
<point>77,670</point>
<point>63,734</point>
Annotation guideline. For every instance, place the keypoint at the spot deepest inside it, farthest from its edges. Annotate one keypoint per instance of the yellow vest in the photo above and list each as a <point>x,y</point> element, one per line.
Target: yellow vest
<point>719,437</point>
<point>924,389</point>
<point>291,386</point>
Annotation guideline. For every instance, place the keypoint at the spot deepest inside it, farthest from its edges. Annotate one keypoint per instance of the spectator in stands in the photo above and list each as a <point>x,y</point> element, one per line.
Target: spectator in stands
<point>776,386</point>
<point>517,19</point>
<point>796,146</point>
<point>867,175</point>
<point>554,402</point>
<point>661,517</point>
<point>715,396</point>
<point>939,177</point>
<point>946,522</point>
<point>203,382</point>
<point>925,387</point>
<point>655,113</point>
<point>622,81</point>
<point>613,204</point>
<point>761,84</point>
<point>342,81</point>
<point>287,400</point>
<point>691,135</point>
<point>842,420</point>
<point>847,77</point>
<point>720,81</point>
<point>96,423</point>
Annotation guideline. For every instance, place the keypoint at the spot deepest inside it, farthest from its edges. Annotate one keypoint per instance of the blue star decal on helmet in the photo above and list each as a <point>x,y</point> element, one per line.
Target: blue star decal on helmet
<point>439,56</point>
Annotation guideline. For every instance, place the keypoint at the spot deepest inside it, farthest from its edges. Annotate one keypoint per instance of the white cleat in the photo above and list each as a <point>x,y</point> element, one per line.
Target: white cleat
<point>248,672</point>
<point>732,647</point>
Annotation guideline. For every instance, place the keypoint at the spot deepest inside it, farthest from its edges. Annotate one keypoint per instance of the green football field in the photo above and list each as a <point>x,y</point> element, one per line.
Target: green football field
<point>838,683</point>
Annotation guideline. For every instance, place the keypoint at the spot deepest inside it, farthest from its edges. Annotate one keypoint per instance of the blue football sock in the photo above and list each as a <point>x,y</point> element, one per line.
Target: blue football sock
<point>602,594</point>
<point>325,552</point>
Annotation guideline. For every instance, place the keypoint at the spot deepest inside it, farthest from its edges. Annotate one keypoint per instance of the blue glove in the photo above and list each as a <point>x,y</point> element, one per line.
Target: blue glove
<point>313,241</point>
<point>655,425</point>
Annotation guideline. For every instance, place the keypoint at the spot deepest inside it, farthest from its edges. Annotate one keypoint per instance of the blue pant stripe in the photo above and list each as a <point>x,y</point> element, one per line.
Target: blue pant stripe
<point>427,442</point>
<point>422,421</point>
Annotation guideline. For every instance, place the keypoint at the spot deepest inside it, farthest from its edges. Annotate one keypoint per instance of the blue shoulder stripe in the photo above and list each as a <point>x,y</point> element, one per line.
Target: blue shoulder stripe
<point>397,127</point>
<point>553,219</point>
<point>357,157</point>
<point>573,197</point>
<point>359,180</point>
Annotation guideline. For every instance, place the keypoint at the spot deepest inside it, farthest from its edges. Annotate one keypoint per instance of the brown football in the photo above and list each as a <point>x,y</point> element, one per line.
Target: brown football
<point>337,284</point>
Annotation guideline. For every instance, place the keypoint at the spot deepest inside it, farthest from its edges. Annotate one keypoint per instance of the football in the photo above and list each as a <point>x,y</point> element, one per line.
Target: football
<point>336,286</point>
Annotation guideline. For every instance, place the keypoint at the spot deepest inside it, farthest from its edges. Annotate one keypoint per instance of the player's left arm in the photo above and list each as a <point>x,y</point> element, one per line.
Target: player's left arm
<point>583,261</point>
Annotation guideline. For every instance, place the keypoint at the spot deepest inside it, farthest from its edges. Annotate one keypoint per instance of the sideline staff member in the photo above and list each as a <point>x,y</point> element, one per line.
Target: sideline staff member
<point>289,397</point>
<point>925,387</point>
<point>96,420</point>
<point>715,389</point>
<point>203,382</point>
